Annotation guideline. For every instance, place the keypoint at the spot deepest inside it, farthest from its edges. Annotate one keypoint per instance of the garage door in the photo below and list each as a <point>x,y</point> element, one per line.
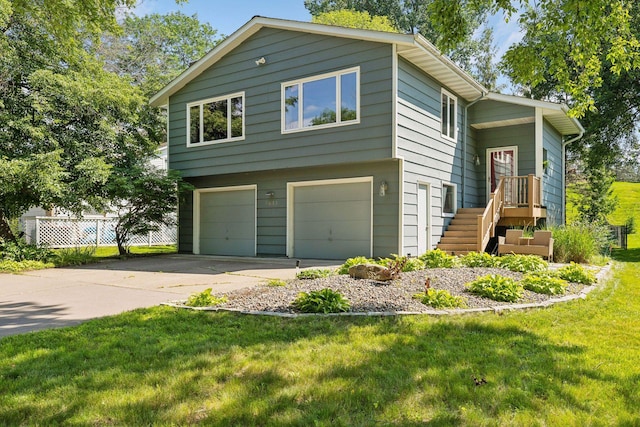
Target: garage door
<point>228,222</point>
<point>332,221</point>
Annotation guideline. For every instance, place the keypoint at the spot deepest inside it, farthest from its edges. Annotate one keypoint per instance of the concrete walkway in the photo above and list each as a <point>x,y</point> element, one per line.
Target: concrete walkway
<point>66,296</point>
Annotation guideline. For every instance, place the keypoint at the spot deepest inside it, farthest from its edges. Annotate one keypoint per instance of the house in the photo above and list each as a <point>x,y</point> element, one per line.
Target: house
<point>416,148</point>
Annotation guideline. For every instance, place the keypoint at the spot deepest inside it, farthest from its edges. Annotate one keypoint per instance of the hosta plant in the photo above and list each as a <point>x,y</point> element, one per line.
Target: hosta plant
<point>344,268</point>
<point>407,264</point>
<point>315,273</point>
<point>523,263</point>
<point>577,274</point>
<point>205,299</point>
<point>323,301</point>
<point>496,287</point>
<point>544,283</point>
<point>438,258</point>
<point>478,259</point>
<point>440,298</point>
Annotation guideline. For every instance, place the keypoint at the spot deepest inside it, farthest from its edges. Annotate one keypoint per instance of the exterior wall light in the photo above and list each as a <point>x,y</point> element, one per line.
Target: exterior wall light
<point>261,61</point>
<point>476,160</point>
<point>382,191</point>
<point>270,194</point>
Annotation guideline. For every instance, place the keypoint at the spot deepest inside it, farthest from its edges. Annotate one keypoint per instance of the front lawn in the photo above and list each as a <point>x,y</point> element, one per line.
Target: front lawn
<point>572,364</point>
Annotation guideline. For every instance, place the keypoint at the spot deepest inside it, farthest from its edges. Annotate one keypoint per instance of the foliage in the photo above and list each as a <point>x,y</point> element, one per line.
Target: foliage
<point>205,299</point>
<point>355,19</point>
<point>496,287</point>
<point>322,301</point>
<point>438,258</point>
<point>579,241</point>
<point>21,251</point>
<point>10,266</point>
<point>78,255</point>
<point>315,273</point>
<point>522,263</point>
<point>594,198</point>
<point>350,262</point>
<point>478,259</point>
<point>577,274</point>
<point>274,283</point>
<point>440,298</point>
<point>630,223</point>
<point>544,283</point>
<point>408,264</point>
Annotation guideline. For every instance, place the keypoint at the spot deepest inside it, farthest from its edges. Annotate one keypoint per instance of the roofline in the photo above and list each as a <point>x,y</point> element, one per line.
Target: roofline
<point>258,22</point>
<point>535,103</point>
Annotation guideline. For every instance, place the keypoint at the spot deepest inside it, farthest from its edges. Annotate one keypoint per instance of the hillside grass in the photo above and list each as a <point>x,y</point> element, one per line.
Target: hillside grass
<point>573,364</point>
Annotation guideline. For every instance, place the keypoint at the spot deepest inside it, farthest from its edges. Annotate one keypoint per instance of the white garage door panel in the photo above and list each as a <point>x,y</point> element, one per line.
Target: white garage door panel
<point>332,221</point>
<point>227,223</point>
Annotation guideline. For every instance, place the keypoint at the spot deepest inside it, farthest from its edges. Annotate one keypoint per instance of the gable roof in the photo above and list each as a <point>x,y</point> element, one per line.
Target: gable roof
<point>413,47</point>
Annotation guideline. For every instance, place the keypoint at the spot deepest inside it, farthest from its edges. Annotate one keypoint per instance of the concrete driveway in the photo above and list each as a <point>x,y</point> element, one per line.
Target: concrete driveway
<point>66,296</point>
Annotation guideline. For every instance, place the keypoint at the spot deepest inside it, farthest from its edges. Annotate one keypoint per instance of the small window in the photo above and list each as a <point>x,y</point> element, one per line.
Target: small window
<point>321,101</point>
<point>216,120</point>
<point>449,116</point>
<point>448,199</point>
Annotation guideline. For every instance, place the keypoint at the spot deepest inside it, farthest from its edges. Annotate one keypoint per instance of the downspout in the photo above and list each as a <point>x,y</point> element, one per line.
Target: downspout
<point>464,143</point>
<point>564,173</point>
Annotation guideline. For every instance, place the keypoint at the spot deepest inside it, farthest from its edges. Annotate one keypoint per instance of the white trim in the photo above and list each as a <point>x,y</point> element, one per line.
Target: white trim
<point>401,249</point>
<point>450,97</point>
<point>455,199</point>
<point>202,102</point>
<point>300,83</point>
<point>291,186</point>
<point>428,214</point>
<point>394,106</point>
<point>196,212</point>
<point>539,142</point>
<point>487,181</point>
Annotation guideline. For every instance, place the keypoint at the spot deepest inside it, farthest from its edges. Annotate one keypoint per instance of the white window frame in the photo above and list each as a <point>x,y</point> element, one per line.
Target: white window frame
<point>455,199</point>
<point>300,83</point>
<point>208,101</point>
<point>450,97</point>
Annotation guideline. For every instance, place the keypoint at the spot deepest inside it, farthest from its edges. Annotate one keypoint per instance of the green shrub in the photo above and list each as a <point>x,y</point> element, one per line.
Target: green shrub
<point>315,273</point>
<point>205,299</point>
<point>322,301</point>
<point>522,263</point>
<point>408,264</point>
<point>274,283</point>
<point>9,266</point>
<point>74,256</point>
<point>440,298</point>
<point>438,258</point>
<point>21,251</point>
<point>478,259</point>
<point>496,287</point>
<point>578,242</point>
<point>577,274</point>
<point>544,283</point>
<point>344,268</point>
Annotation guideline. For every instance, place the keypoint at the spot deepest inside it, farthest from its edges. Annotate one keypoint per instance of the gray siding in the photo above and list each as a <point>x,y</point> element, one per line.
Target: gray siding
<point>290,55</point>
<point>522,136</point>
<point>495,111</point>
<point>473,188</point>
<point>272,212</point>
<point>428,158</point>
<point>552,180</point>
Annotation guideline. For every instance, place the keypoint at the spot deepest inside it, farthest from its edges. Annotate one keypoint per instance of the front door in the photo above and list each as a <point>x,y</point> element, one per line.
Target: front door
<point>501,162</point>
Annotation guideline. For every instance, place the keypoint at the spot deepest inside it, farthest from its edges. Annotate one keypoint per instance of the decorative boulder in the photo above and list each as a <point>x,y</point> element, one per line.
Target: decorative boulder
<point>370,271</point>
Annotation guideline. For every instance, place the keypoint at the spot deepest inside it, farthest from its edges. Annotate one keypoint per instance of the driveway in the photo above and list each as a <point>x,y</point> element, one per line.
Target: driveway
<point>66,296</point>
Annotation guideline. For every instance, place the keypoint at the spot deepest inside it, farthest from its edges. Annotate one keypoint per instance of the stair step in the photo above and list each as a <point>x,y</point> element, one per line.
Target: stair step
<point>457,247</point>
<point>475,211</point>
<point>463,227</point>
<point>461,233</point>
<point>464,221</point>
<point>471,240</point>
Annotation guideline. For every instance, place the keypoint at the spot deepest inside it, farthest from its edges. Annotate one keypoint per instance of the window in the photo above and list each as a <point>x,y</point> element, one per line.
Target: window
<point>449,117</point>
<point>448,199</point>
<point>216,120</point>
<point>313,102</point>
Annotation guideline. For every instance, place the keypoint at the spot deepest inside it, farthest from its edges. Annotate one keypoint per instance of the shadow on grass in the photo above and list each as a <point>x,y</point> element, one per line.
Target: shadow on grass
<point>163,366</point>
<point>629,255</point>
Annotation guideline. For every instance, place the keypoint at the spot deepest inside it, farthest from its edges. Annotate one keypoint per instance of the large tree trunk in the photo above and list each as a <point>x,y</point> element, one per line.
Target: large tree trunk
<point>5,231</point>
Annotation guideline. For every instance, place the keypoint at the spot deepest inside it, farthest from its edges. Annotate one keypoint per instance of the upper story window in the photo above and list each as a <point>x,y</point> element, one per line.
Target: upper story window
<point>216,120</point>
<point>313,102</point>
<point>449,116</point>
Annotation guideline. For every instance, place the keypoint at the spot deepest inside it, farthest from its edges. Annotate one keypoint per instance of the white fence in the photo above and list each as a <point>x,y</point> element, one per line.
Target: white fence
<point>69,232</point>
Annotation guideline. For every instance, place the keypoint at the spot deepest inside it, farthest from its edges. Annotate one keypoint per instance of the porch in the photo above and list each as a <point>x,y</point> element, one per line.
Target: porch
<point>516,201</point>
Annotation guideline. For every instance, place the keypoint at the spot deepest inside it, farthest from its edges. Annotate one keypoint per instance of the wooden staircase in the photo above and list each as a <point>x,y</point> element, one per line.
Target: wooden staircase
<point>461,237</point>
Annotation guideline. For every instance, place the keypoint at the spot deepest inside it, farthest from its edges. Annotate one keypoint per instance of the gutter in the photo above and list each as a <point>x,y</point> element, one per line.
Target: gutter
<point>564,172</point>
<point>464,142</point>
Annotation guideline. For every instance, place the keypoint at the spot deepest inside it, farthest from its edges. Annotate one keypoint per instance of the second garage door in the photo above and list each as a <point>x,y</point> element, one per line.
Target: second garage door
<point>332,221</point>
<point>228,222</point>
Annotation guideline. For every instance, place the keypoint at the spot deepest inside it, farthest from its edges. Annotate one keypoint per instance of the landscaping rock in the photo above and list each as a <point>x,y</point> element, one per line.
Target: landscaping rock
<point>370,272</point>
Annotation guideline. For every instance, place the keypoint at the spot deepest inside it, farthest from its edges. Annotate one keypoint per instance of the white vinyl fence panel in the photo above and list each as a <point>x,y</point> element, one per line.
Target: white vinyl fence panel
<point>69,232</point>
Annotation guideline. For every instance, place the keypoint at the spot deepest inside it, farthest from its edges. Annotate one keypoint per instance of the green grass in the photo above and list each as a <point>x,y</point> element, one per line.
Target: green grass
<point>573,364</point>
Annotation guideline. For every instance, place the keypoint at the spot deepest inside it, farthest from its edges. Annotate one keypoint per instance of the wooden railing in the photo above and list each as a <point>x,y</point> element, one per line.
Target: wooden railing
<point>511,192</point>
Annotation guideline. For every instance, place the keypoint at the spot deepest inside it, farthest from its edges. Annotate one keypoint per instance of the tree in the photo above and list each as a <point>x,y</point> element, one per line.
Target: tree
<point>355,19</point>
<point>474,54</point>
